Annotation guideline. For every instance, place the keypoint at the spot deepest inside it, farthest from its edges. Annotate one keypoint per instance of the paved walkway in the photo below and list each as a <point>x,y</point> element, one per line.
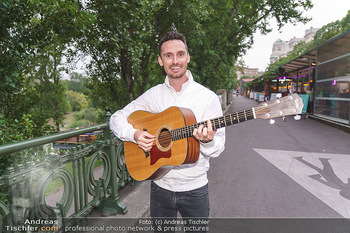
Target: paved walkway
<point>288,169</point>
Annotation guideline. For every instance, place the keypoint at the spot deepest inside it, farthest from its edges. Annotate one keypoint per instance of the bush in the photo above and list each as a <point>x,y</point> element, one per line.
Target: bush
<point>13,130</point>
<point>78,123</point>
<point>76,100</point>
<point>86,116</point>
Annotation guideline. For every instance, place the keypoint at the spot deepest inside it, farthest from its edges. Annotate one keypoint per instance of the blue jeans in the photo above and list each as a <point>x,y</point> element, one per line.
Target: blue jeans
<point>192,205</point>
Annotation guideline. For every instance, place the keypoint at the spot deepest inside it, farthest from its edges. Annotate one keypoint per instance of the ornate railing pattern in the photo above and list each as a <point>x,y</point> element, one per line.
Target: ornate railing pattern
<point>26,184</point>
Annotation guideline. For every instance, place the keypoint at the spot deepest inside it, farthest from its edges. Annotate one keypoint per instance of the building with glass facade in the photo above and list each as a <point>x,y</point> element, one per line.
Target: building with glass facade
<point>332,80</point>
<point>324,73</point>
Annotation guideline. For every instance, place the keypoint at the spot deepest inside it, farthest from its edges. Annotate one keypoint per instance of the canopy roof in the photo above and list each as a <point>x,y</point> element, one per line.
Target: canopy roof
<point>308,59</point>
<point>304,61</point>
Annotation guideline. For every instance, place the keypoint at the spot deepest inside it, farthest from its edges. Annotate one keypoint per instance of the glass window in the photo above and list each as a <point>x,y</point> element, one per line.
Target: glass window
<point>333,108</point>
<point>336,48</point>
<point>334,69</point>
<point>334,88</point>
<point>333,99</point>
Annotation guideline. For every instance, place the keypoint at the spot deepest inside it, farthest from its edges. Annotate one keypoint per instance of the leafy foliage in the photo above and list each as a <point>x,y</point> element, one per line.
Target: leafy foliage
<point>18,130</point>
<point>76,83</point>
<point>122,40</point>
<point>76,100</point>
<point>87,116</point>
<point>33,35</point>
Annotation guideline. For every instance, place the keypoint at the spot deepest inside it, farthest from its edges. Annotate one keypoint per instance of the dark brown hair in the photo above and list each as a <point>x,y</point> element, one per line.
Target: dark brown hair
<point>172,35</point>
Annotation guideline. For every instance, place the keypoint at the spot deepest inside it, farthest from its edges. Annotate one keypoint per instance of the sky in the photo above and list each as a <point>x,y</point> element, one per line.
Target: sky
<point>323,12</point>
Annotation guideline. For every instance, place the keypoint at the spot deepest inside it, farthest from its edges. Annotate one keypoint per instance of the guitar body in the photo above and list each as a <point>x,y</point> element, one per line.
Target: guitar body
<point>165,153</point>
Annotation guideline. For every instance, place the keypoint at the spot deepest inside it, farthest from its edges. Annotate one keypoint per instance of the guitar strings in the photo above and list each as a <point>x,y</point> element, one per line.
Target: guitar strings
<point>188,130</point>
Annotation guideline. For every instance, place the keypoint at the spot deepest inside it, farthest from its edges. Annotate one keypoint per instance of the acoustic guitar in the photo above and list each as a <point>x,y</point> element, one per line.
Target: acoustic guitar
<point>173,128</point>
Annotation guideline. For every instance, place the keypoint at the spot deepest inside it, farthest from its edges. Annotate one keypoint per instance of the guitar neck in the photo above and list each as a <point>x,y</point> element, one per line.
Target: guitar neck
<point>217,123</point>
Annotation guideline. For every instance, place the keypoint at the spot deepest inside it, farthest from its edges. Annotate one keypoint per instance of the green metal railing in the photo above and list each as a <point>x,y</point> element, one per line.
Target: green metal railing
<point>27,183</point>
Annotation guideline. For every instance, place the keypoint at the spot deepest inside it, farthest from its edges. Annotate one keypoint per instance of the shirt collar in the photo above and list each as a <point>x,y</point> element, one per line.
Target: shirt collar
<point>190,79</point>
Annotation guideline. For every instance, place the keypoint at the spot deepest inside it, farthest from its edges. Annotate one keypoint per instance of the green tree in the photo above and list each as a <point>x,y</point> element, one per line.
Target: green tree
<point>76,100</point>
<point>76,82</point>
<point>32,35</point>
<point>122,40</point>
<point>16,45</point>
<point>30,31</point>
<point>229,33</point>
<point>46,76</point>
<point>27,27</point>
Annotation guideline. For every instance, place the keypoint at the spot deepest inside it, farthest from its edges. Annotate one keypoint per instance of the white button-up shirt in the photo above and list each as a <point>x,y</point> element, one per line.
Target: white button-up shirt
<point>204,104</point>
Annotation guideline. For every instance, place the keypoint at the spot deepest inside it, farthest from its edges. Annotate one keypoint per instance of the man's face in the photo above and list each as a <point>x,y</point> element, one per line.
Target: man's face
<point>174,58</point>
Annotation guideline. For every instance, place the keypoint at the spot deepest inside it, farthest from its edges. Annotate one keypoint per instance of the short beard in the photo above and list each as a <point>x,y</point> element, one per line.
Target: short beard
<point>179,75</point>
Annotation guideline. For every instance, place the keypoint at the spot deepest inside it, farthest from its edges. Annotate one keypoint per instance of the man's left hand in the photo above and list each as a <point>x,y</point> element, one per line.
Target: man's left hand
<point>204,134</point>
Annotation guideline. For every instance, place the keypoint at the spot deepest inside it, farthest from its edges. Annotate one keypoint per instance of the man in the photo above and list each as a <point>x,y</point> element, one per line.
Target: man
<point>185,188</point>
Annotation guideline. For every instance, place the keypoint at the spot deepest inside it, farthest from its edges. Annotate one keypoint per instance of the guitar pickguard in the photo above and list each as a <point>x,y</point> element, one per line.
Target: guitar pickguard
<point>157,154</point>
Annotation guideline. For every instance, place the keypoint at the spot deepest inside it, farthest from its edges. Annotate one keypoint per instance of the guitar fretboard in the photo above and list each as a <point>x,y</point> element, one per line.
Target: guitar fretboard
<point>217,123</point>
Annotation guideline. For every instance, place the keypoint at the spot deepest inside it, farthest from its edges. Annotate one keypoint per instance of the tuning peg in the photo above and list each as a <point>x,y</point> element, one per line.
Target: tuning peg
<point>297,117</point>
<point>272,121</point>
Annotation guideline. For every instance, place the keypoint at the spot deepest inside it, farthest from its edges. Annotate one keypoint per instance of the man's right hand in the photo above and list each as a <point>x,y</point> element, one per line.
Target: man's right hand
<point>144,140</point>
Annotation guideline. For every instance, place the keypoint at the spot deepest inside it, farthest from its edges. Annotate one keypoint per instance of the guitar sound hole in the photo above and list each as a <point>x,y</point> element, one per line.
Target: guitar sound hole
<point>164,138</point>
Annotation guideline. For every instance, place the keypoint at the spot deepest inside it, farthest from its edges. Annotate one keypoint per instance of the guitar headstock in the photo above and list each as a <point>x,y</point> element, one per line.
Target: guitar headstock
<point>289,105</point>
